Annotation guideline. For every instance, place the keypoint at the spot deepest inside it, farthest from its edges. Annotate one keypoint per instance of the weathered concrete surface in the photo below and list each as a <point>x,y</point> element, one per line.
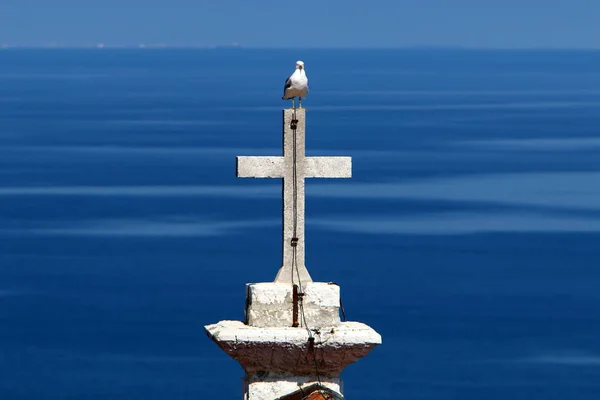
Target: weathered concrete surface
<point>328,167</point>
<point>314,167</point>
<point>288,350</point>
<point>269,386</point>
<point>293,187</point>
<point>270,304</point>
<point>259,167</point>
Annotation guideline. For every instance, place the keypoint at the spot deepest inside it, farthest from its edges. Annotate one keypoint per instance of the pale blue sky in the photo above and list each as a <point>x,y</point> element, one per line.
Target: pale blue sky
<point>308,23</point>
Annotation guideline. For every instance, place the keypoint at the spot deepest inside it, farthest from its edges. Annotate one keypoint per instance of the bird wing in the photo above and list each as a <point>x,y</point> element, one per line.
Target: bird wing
<point>288,83</point>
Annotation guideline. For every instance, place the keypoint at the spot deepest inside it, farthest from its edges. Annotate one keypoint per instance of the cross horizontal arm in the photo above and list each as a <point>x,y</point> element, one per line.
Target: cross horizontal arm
<point>328,167</point>
<point>259,167</point>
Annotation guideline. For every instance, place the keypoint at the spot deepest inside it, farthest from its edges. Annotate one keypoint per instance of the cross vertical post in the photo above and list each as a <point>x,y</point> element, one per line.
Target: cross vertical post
<point>293,167</point>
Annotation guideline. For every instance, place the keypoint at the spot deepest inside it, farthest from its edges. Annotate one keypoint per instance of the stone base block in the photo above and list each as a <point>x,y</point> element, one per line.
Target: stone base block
<point>270,304</point>
<point>289,350</point>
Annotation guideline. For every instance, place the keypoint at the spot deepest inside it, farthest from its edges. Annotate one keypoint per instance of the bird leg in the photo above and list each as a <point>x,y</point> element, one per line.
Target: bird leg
<point>300,101</point>
<point>293,103</point>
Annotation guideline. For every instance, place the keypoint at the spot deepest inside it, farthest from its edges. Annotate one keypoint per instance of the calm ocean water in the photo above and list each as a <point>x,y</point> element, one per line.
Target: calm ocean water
<point>468,236</point>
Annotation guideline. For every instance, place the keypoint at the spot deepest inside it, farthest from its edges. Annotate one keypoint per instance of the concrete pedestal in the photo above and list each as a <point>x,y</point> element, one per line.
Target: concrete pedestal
<point>271,304</point>
<point>279,358</point>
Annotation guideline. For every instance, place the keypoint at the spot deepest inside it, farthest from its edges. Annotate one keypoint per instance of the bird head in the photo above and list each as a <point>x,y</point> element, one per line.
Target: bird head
<point>299,65</point>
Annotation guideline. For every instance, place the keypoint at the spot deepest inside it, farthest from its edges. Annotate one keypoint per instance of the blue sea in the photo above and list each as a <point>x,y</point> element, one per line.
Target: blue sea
<point>468,236</point>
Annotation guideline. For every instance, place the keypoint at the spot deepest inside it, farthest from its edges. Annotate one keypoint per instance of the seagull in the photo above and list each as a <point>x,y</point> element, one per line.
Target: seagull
<point>296,85</point>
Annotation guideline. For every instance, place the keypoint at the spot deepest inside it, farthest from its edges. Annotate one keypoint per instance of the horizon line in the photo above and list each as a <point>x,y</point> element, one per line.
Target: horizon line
<point>237,47</point>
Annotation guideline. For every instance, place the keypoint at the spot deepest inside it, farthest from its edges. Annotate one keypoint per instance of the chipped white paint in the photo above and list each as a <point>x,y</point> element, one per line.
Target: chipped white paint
<point>282,167</point>
<point>286,350</point>
<point>270,304</point>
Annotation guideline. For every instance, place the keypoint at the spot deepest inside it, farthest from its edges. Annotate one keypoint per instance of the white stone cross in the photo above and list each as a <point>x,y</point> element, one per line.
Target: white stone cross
<point>283,167</point>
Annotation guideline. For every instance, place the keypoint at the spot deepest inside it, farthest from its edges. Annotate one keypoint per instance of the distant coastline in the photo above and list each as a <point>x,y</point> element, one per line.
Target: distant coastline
<point>102,46</point>
<point>237,46</point>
